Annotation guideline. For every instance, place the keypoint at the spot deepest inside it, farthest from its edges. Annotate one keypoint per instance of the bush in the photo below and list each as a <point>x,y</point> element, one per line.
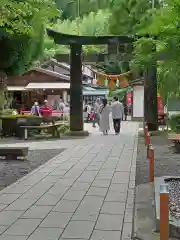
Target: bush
<point>64,128</point>
<point>10,116</point>
<point>174,123</point>
<point>8,111</point>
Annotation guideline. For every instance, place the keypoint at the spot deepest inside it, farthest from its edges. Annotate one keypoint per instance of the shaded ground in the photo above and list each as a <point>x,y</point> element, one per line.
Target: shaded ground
<point>11,171</point>
<point>167,162</point>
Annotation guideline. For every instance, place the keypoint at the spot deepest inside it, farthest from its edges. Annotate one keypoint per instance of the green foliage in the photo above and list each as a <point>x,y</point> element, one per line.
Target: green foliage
<point>24,17</point>
<point>138,17</point>
<point>94,24</point>
<point>6,116</point>
<point>71,9</point>
<point>174,123</point>
<point>20,51</point>
<point>126,16</point>
<point>164,24</point>
<point>63,129</point>
<point>22,27</point>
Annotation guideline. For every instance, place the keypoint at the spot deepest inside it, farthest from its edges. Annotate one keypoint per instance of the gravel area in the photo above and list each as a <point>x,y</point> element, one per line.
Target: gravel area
<point>167,162</point>
<point>11,171</point>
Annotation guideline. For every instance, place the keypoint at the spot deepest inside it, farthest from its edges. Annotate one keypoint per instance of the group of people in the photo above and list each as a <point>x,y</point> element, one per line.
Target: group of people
<point>102,110</point>
<point>46,110</point>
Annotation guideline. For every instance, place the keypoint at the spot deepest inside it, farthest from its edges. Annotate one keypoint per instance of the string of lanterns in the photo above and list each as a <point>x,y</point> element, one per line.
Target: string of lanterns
<point>114,81</point>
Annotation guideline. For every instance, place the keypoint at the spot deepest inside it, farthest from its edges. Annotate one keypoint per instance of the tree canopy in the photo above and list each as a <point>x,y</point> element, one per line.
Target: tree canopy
<point>22,26</point>
<point>94,24</point>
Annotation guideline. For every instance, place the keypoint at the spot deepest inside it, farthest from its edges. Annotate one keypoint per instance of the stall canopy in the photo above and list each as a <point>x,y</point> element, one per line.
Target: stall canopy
<point>48,86</point>
<point>15,88</point>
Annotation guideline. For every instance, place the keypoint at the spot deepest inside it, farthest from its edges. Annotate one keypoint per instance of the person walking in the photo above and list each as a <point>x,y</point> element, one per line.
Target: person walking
<point>104,117</point>
<point>88,110</point>
<point>117,114</point>
<point>96,112</point>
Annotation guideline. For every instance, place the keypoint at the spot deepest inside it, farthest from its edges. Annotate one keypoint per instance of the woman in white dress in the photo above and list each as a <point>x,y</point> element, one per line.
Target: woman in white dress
<point>104,117</point>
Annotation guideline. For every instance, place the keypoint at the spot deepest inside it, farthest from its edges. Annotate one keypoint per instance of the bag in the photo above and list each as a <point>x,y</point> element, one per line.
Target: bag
<point>101,109</point>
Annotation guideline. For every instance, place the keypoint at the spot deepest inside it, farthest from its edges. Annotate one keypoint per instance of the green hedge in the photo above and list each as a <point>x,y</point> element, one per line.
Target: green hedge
<point>174,123</point>
<point>10,116</point>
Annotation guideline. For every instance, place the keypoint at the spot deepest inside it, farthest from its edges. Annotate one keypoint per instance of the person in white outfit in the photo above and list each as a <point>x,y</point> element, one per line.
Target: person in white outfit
<point>117,114</point>
<point>96,112</point>
<point>104,117</point>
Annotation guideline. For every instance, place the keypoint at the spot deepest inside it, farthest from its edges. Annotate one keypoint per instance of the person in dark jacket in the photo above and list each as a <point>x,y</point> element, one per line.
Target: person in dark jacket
<point>125,111</point>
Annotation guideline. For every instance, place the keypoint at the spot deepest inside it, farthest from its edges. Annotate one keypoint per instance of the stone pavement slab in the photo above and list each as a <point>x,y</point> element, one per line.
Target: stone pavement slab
<point>86,192</point>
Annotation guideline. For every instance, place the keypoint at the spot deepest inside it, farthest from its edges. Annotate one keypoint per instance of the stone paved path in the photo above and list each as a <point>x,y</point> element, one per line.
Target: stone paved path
<point>87,192</point>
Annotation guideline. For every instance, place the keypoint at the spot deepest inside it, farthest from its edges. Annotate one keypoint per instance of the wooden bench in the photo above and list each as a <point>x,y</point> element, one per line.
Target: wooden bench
<point>175,138</point>
<point>54,129</point>
<point>13,153</point>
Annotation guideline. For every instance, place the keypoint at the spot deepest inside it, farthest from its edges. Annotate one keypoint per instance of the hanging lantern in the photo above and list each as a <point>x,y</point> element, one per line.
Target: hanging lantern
<point>124,83</point>
<point>100,79</point>
<point>112,84</point>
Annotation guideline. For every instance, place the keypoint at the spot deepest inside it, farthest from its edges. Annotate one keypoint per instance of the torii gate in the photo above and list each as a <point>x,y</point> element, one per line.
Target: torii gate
<point>75,43</point>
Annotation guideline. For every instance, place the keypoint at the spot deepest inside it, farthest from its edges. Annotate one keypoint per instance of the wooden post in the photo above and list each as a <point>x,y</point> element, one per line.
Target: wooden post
<point>150,96</point>
<point>151,164</point>
<point>76,99</point>
<point>164,212</point>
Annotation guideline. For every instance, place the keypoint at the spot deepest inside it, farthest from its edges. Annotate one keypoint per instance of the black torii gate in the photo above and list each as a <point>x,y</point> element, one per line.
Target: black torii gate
<point>75,43</point>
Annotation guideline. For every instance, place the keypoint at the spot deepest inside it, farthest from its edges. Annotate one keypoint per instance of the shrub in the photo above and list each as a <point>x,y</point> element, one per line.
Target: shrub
<point>10,116</point>
<point>64,128</point>
<point>8,111</point>
<point>174,123</point>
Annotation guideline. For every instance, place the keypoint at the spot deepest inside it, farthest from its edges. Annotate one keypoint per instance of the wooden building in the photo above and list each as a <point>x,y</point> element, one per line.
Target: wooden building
<point>37,85</point>
<point>51,81</point>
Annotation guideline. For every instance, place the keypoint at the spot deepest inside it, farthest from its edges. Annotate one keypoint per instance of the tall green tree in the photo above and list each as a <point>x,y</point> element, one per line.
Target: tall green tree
<point>22,26</point>
<point>127,14</point>
<point>71,9</point>
<point>163,23</point>
<point>93,24</point>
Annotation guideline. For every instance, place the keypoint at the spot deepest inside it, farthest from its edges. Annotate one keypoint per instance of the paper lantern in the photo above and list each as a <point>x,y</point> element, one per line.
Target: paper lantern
<point>100,80</point>
<point>124,83</point>
<point>112,84</point>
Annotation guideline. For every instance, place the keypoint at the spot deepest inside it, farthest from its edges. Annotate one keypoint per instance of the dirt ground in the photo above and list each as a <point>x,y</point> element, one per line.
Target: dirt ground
<point>167,162</point>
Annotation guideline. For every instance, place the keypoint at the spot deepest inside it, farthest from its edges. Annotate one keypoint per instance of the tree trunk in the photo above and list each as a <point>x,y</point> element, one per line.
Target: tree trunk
<point>76,99</point>
<point>3,86</point>
<point>150,97</point>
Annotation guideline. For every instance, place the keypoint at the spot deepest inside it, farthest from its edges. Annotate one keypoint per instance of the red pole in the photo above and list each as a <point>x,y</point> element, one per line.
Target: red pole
<point>151,164</point>
<point>164,212</point>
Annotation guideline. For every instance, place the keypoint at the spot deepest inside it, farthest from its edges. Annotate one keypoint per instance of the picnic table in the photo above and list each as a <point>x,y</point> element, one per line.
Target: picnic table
<point>52,126</point>
<point>54,113</point>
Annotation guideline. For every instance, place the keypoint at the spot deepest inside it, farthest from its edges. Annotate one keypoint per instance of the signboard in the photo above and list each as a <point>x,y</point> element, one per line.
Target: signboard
<point>129,99</point>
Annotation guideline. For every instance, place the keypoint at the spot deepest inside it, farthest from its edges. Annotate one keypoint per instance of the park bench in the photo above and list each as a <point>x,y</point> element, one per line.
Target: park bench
<point>13,153</point>
<point>175,138</point>
<point>52,126</point>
